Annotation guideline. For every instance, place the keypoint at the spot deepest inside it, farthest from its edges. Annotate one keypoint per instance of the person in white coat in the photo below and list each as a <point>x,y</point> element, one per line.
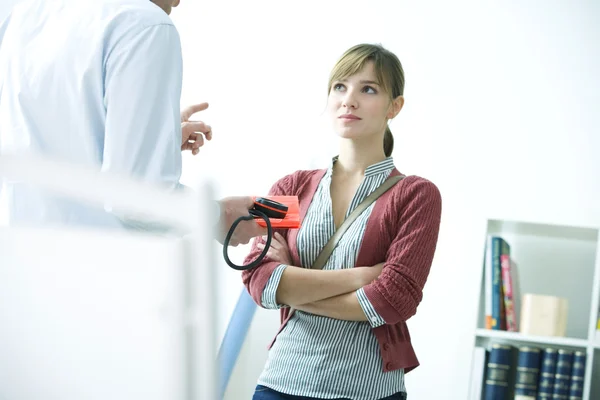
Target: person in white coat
<point>97,83</point>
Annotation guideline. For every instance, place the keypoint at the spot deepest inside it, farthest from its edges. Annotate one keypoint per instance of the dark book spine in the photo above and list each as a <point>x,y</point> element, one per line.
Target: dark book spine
<point>497,299</point>
<point>562,378</point>
<point>577,376</point>
<point>504,250</point>
<point>497,374</point>
<point>547,372</point>
<point>528,371</point>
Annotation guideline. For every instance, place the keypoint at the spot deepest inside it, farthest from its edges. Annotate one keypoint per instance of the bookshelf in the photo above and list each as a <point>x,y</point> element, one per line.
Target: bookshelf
<point>551,260</point>
<point>520,339</point>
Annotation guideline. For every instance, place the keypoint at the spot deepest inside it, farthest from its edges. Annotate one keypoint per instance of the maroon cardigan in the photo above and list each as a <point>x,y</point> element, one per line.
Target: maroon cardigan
<point>402,231</point>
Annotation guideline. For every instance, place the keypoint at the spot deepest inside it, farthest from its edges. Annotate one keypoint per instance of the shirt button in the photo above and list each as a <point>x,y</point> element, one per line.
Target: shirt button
<point>386,347</point>
<point>389,365</point>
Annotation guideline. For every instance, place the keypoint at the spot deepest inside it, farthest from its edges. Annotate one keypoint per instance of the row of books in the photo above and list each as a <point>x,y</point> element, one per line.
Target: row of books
<point>501,286</point>
<point>527,373</point>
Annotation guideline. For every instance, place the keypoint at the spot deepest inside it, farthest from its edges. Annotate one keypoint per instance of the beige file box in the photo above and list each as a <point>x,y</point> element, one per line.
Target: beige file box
<point>543,315</point>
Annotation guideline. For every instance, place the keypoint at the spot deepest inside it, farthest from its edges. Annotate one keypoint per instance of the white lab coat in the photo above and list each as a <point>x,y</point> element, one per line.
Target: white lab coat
<point>96,83</point>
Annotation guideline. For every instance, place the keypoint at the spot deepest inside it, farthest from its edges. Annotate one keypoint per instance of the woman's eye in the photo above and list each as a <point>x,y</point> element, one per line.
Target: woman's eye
<point>369,89</point>
<point>338,86</point>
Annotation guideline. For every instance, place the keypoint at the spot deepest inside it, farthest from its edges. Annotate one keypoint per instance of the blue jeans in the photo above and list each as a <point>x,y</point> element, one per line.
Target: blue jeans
<point>265,393</point>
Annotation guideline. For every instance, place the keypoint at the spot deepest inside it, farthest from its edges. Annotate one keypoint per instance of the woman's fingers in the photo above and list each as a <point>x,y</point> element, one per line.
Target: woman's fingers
<point>276,244</point>
<point>262,246</point>
<point>278,250</point>
<point>272,254</point>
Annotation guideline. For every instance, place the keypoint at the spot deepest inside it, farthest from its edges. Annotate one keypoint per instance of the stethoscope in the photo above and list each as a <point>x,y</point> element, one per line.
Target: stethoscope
<point>265,209</point>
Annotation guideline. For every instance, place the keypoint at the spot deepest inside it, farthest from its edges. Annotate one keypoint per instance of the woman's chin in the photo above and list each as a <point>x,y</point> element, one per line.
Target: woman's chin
<point>351,136</point>
<point>347,133</point>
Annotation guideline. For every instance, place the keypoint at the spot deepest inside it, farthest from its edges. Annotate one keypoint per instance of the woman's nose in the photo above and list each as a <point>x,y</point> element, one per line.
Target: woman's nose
<point>349,100</point>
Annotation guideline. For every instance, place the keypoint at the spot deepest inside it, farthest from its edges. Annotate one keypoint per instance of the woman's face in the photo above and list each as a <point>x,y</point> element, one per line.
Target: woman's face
<point>358,106</point>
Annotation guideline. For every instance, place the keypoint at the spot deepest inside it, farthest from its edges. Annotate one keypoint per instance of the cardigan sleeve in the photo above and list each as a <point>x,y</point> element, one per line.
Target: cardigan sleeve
<point>398,290</point>
<point>255,279</point>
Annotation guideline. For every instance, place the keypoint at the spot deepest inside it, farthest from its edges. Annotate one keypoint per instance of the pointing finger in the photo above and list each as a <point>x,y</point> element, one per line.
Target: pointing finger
<point>191,110</point>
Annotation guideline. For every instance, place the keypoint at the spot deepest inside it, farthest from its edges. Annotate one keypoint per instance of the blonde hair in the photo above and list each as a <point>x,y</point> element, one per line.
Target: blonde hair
<point>388,70</point>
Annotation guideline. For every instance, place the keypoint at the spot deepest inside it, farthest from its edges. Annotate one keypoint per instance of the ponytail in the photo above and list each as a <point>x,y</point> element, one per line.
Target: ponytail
<point>388,142</point>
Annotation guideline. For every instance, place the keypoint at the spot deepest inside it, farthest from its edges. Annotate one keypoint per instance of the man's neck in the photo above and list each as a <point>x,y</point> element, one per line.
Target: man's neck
<point>163,4</point>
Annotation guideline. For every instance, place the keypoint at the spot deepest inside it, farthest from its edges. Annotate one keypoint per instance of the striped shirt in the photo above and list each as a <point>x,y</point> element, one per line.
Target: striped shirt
<point>322,357</point>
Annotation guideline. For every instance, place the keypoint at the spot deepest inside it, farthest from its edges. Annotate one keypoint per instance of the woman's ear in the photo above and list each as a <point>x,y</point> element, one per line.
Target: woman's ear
<point>396,106</point>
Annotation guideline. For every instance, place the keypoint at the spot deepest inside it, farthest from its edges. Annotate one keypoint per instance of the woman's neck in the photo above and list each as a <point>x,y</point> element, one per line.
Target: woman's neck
<point>355,158</point>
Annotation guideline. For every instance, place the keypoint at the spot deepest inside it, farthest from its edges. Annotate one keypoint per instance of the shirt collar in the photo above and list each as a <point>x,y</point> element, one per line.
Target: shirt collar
<point>372,170</point>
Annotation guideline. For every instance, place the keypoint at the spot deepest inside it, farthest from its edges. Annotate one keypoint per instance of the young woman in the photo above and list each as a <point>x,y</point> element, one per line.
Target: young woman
<point>347,338</point>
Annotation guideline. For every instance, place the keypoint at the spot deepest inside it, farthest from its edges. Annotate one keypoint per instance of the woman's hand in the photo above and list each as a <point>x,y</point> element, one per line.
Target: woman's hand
<point>279,250</point>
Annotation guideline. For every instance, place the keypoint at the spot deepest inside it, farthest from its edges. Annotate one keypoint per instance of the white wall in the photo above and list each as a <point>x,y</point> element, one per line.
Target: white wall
<point>499,113</point>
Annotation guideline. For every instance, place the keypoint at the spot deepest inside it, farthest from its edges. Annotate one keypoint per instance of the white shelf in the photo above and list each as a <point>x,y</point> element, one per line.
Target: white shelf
<point>546,256</point>
<point>517,337</point>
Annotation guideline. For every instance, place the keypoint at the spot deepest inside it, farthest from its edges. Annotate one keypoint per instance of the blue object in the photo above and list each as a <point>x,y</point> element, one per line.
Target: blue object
<point>498,371</point>
<point>236,332</point>
<point>548,372</point>
<point>577,375</point>
<point>564,369</point>
<point>528,368</point>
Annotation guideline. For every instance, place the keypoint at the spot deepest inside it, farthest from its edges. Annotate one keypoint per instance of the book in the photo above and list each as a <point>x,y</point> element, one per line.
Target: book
<point>547,373</point>
<point>562,378</point>
<point>498,372</point>
<point>510,292</point>
<point>494,299</point>
<point>577,376</point>
<point>598,329</point>
<point>528,368</point>
<point>487,282</point>
<point>501,286</point>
